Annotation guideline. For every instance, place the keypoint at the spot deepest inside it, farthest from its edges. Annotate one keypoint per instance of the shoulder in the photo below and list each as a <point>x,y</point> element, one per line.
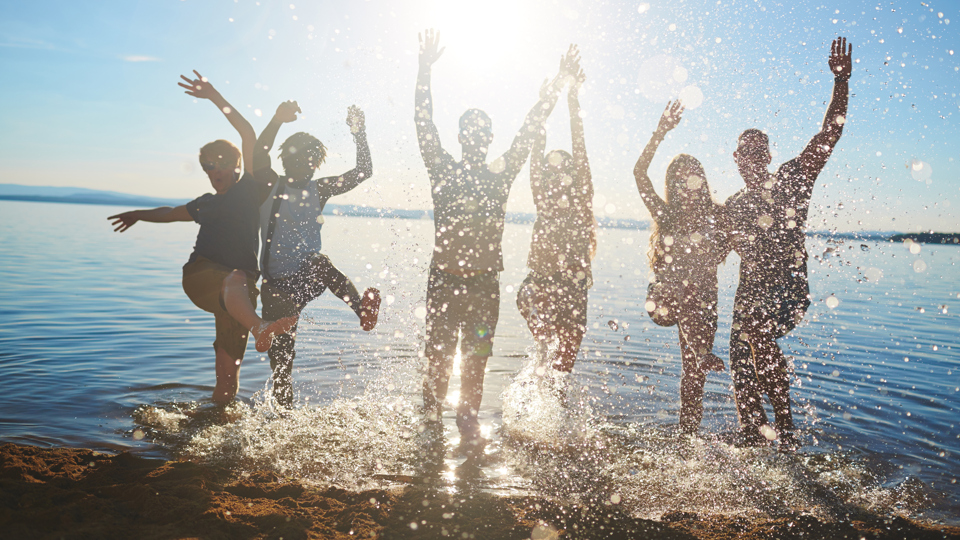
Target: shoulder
<point>790,170</point>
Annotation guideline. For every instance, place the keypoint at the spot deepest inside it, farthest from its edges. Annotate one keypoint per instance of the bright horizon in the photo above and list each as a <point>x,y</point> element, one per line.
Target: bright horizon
<point>91,98</point>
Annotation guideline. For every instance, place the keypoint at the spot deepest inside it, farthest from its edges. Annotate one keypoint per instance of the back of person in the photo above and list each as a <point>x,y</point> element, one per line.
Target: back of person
<point>469,212</point>
<point>296,228</point>
<point>563,237</point>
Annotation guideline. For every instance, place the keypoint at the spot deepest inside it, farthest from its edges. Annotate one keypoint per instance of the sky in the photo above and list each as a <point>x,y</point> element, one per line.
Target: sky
<point>90,95</point>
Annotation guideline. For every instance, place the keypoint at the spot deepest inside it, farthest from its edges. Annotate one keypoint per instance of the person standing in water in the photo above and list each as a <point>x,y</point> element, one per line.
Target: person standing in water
<point>766,224</point>
<point>463,288</point>
<point>221,274</point>
<point>294,270</point>
<point>686,246</point>
<point>553,297</point>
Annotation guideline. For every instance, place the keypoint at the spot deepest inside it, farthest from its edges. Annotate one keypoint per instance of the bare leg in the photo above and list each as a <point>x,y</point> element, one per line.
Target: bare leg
<point>698,324</point>
<point>692,379</point>
<point>236,297</point>
<point>745,383</point>
<point>472,370</point>
<point>774,379</point>
<point>568,349</point>
<point>228,377</point>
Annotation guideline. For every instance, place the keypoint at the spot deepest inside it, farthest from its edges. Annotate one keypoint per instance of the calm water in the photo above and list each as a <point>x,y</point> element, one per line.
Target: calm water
<point>102,349</point>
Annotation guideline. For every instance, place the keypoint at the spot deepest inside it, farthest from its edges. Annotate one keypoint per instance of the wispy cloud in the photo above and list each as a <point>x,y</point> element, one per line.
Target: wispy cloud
<point>25,43</point>
<point>139,58</point>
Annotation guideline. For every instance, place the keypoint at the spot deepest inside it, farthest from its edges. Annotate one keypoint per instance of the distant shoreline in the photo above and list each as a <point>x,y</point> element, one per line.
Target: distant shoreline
<point>111,199</point>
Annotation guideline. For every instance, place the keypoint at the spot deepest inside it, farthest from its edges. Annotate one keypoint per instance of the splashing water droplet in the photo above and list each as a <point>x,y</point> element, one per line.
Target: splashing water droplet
<point>832,302</point>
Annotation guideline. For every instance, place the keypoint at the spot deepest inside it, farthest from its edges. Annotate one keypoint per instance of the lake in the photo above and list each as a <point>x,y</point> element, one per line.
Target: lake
<point>102,349</point>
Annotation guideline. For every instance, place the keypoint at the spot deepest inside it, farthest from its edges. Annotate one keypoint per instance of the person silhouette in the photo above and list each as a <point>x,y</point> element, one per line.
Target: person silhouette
<point>291,217</point>
<point>687,244</point>
<point>221,274</point>
<point>463,287</point>
<point>766,221</point>
<point>553,297</point>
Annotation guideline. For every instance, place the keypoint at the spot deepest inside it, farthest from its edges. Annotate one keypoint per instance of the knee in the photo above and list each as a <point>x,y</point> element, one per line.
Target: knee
<point>237,278</point>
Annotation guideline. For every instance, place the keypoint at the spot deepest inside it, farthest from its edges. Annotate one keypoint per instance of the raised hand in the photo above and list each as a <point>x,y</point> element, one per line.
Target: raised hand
<point>199,87</point>
<point>670,117</point>
<point>287,112</point>
<point>578,80</point>
<point>122,222</point>
<point>570,62</point>
<point>355,119</point>
<point>430,49</point>
<point>841,59</point>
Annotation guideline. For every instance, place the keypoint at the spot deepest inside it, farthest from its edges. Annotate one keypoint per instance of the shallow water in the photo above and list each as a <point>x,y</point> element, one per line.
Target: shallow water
<point>102,349</point>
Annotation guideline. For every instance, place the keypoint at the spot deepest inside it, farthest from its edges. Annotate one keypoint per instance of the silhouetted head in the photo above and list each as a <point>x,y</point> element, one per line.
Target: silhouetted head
<point>476,132</point>
<point>220,159</point>
<point>557,174</point>
<point>301,154</point>
<point>753,157</point>
<point>687,183</point>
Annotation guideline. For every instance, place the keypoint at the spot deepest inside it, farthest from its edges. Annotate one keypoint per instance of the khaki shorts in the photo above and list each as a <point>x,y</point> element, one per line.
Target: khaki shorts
<point>203,283</point>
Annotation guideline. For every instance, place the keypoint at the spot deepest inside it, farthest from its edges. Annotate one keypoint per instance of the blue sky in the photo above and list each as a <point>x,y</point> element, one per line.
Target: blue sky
<point>90,97</point>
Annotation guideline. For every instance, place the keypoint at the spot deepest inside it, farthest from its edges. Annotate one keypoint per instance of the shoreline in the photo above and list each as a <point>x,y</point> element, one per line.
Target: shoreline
<point>65,492</point>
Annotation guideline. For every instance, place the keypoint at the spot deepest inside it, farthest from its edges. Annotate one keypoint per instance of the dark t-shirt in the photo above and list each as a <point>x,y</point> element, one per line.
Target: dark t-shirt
<point>766,227</point>
<point>229,225</point>
<point>469,210</point>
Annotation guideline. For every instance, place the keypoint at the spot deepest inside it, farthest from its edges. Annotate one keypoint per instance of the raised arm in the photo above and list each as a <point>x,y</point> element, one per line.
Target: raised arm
<point>668,120</point>
<point>536,152</point>
<point>427,134</point>
<point>262,171</point>
<point>814,157</point>
<point>533,124</point>
<point>580,161</point>
<point>336,185</point>
<point>201,88</point>
<point>163,214</point>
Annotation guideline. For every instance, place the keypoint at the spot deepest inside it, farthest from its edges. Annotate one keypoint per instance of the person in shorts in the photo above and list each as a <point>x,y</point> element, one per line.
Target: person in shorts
<point>220,276</point>
<point>291,217</point>
<point>766,222</point>
<point>469,200</point>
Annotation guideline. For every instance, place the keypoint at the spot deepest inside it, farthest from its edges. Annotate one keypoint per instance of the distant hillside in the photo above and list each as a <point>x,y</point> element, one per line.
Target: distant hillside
<point>76,195</point>
<point>928,238</point>
<point>73,195</point>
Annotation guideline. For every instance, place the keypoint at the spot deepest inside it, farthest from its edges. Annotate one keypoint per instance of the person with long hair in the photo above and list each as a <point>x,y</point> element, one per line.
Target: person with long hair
<point>687,244</point>
<point>553,297</point>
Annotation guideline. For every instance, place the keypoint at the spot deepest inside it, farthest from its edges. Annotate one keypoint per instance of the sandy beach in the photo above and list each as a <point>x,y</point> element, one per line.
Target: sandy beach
<point>75,493</point>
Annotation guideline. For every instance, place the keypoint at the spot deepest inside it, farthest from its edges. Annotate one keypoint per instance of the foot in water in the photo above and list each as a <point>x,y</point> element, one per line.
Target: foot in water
<point>711,362</point>
<point>787,442</point>
<point>268,329</point>
<point>369,308</point>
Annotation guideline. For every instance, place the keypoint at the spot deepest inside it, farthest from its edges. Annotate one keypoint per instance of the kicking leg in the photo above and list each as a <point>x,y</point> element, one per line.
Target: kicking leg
<point>367,307</point>
<point>236,298</point>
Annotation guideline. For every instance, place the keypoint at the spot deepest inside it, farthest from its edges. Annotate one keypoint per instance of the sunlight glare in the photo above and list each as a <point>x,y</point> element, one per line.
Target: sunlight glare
<point>481,35</point>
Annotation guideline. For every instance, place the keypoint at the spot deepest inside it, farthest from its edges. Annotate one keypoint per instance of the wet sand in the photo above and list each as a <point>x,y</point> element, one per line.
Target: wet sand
<point>72,493</point>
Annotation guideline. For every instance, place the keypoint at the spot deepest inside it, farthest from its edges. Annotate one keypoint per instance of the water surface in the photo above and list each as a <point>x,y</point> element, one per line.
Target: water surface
<point>102,349</point>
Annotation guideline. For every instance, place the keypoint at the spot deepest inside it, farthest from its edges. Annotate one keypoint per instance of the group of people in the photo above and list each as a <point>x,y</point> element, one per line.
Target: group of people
<point>692,234</point>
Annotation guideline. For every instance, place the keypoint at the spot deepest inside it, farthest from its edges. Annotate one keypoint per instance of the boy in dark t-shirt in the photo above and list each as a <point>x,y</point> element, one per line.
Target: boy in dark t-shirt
<point>220,276</point>
<point>766,223</point>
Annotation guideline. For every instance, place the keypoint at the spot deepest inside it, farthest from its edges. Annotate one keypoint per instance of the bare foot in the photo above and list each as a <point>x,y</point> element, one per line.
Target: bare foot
<point>369,308</point>
<point>711,362</point>
<point>266,331</point>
